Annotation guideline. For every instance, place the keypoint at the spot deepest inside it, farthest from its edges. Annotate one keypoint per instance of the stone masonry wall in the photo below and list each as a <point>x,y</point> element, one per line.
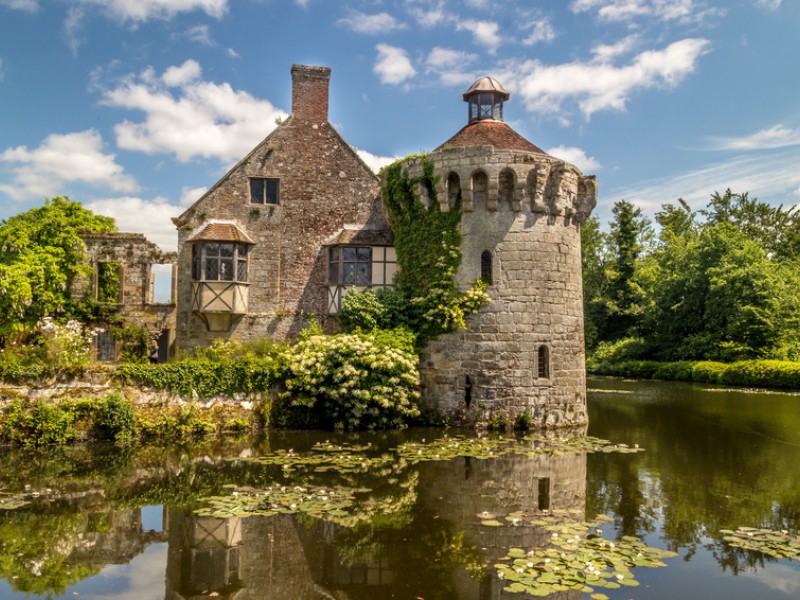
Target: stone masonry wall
<point>136,255</point>
<point>324,185</point>
<point>531,227</point>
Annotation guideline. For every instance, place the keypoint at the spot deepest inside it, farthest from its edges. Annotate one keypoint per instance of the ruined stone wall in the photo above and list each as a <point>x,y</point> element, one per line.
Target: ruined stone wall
<point>526,210</point>
<point>323,186</point>
<point>136,256</point>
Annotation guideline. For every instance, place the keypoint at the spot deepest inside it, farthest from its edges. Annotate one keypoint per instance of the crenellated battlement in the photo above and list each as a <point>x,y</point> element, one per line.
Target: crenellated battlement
<point>506,180</point>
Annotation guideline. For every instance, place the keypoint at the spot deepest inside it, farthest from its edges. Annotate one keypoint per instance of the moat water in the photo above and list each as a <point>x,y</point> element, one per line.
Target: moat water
<point>402,515</point>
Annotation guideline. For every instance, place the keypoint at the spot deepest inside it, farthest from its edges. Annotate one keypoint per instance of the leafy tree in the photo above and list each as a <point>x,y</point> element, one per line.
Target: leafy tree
<point>594,260</point>
<point>622,301</point>
<point>721,297</point>
<point>41,254</point>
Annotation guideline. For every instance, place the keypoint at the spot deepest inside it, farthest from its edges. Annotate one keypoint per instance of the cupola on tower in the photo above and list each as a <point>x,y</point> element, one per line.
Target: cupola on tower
<point>522,212</point>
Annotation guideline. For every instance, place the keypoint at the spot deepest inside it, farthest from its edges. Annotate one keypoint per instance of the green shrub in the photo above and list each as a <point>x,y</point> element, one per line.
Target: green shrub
<point>115,418</point>
<point>766,373</point>
<point>674,371</point>
<point>361,310</point>
<point>38,423</point>
<point>620,350</point>
<point>205,378</point>
<point>707,371</point>
<point>351,382</point>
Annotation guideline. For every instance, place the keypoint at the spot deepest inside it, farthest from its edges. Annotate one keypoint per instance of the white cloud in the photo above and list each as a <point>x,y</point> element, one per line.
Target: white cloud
<point>541,31</point>
<point>375,161</point>
<point>200,34</point>
<point>776,136</point>
<point>371,24</point>
<point>769,4</point>
<point>608,52</point>
<point>600,86</point>
<point>576,156</point>
<point>485,33</point>
<point>139,11</point>
<point>26,5</point>
<point>191,195</point>
<point>682,11</point>
<point>182,75</point>
<point>153,217</point>
<point>447,64</point>
<point>775,179</point>
<point>195,119</point>
<point>427,13</point>
<point>140,579</point>
<point>392,65</point>
<point>60,160</point>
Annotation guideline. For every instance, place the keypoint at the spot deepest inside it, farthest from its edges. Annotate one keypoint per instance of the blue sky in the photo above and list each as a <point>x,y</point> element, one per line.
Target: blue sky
<point>135,107</point>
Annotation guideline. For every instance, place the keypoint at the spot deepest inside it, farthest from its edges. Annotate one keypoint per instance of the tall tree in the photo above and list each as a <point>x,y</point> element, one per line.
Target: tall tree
<point>630,234</point>
<point>41,254</point>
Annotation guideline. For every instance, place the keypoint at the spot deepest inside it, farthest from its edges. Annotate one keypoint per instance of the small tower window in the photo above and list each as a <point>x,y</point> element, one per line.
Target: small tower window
<point>486,267</point>
<point>453,189</point>
<point>543,362</point>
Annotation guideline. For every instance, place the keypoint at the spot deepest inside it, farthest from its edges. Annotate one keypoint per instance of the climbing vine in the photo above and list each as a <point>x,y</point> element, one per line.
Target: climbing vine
<point>428,243</point>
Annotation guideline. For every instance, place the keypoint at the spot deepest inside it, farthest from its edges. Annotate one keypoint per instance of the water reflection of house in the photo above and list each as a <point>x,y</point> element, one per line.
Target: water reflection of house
<point>283,557</point>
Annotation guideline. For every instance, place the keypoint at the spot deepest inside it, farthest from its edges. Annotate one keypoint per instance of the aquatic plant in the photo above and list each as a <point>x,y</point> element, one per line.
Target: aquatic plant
<point>777,544</point>
<point>577,556</point>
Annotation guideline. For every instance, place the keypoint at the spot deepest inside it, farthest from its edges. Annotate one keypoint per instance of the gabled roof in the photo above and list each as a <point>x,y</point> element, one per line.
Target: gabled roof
<point>490,133</point>
<point>222,231</point>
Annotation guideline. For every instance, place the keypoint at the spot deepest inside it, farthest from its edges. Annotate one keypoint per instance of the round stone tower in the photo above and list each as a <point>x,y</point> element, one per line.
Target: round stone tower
<point>521,356</point>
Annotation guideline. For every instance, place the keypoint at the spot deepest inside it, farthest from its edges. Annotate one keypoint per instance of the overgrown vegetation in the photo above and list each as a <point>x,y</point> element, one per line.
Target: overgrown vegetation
<point>353,381</point>
<point>721,283</point>
<point>41,254</point>
<point>425,298</point>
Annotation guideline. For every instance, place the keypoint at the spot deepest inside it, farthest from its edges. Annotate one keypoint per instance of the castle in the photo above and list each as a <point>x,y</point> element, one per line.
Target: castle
<point>299,221</point>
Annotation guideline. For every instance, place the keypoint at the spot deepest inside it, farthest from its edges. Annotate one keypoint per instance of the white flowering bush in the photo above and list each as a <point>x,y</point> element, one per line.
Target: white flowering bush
<point>67,346</point>
<point>352,381</point>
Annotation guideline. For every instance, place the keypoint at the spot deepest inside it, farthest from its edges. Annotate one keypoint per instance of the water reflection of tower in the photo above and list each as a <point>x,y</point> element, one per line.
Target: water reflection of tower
<point>462,488</point>
<point>204,557</point>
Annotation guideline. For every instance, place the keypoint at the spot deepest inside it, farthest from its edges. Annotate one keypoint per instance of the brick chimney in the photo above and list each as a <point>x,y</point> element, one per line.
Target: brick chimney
<point>310,92</point>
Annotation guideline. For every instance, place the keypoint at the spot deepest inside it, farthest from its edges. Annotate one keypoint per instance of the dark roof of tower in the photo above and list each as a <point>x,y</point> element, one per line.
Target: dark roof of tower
<point>490,133</point>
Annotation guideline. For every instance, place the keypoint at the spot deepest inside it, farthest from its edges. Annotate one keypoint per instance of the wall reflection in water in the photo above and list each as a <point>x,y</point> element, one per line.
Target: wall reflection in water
<point>439,549</point>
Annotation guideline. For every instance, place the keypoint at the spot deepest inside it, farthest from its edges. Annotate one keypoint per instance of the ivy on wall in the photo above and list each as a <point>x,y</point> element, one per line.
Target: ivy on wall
<point>428,243</point>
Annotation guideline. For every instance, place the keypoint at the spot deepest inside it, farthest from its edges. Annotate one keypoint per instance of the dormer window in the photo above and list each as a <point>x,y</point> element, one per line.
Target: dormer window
<point>264,190</point>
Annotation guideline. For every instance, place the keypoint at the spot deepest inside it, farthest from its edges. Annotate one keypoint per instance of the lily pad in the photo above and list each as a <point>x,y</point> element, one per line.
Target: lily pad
<point>777,544</point>
<point>577,557</point>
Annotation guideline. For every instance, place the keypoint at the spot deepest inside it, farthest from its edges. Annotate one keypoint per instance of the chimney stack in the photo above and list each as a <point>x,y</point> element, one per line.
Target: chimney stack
<point>310,92</point>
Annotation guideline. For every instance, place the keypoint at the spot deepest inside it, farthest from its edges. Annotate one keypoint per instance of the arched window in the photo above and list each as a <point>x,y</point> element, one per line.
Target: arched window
<point>453,189</point>
<point>486,267</point>
<point>530,186</point>
<point>505,190</point>
<point>480,190</point>
<point>543,362</point>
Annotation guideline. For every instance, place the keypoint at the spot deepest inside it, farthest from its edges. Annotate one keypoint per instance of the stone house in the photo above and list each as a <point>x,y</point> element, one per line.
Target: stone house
<point>299,221</point>
<point>278,239</point>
